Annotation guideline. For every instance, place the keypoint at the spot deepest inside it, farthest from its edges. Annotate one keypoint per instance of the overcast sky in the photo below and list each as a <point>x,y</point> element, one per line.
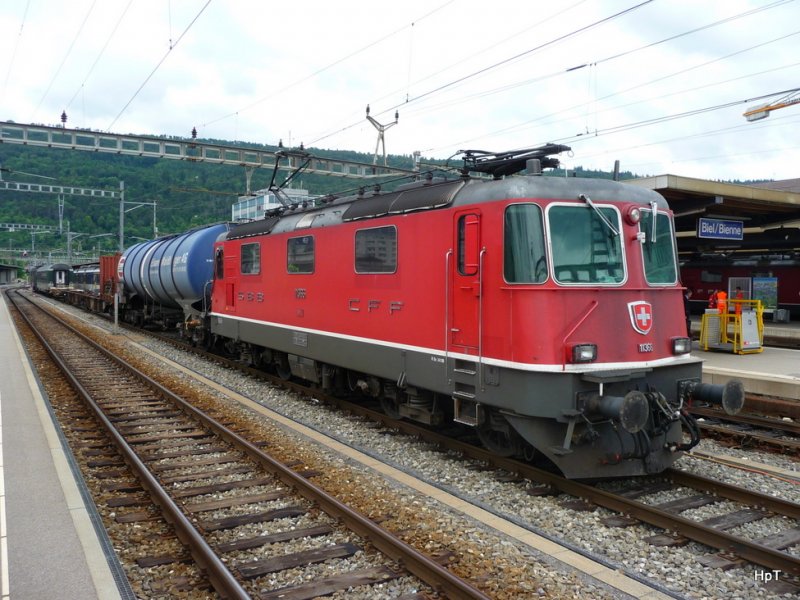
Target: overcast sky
<point>661,85</point>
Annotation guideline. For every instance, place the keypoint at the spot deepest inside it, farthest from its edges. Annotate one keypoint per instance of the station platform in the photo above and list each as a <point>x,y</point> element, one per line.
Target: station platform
<point>772,372</point>
<point>50,546</point>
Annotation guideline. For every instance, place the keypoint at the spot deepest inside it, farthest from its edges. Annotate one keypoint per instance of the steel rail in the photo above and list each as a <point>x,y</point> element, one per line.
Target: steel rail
<point>219,575</point>
<point>736,494</point>
<point>747,550</point>
<point>759,439</point>
<point>755,420</point>
<point>412,560</point>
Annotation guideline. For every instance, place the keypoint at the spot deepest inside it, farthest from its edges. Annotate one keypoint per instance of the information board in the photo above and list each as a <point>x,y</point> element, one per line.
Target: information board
<point>766,290</point>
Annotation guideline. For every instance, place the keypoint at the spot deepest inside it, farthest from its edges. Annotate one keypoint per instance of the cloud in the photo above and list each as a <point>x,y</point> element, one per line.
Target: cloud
<point>462,75</point>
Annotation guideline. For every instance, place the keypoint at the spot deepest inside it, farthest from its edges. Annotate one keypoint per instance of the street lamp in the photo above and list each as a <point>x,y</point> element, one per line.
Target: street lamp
<point>100,235</point>
<point>71,236</point>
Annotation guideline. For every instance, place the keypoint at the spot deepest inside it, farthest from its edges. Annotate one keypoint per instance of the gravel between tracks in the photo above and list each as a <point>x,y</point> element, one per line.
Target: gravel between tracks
<point>676,569</point>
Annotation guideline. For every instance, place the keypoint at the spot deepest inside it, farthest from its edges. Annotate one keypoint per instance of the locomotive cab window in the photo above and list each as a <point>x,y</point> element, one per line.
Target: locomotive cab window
<point>524,257</point>
<point>300,254</point>
<point>586,244</point>
<point>658,249</point>
<point>469,244</point>
<point>251,259</point>
<point>376,250</point>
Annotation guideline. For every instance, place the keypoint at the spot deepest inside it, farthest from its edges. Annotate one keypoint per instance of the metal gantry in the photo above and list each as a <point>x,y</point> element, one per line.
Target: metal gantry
<point>46,188</point>
<point>47,136</point>
<point>27,227</point>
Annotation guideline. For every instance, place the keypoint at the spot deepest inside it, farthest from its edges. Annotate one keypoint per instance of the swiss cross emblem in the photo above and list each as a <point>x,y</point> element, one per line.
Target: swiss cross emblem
<point>641,316</point>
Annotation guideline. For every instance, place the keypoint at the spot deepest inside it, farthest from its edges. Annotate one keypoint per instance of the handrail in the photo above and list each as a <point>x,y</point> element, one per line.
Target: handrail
<point>480,318</point>
<point>592,305</point>
<point>447,291</point>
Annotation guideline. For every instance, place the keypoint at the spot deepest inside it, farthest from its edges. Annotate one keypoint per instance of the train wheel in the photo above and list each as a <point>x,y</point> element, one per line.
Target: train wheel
<point>209,341</point>
<point>390,406</point>
<point>497,435</point>
<point>282,367</point>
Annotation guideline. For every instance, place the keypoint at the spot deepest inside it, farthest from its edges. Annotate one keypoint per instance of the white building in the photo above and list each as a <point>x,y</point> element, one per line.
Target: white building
<point>250,208</point>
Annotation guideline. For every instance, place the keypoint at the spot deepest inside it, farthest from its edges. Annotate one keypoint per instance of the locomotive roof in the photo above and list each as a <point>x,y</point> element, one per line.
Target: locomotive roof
<point>439,193</point>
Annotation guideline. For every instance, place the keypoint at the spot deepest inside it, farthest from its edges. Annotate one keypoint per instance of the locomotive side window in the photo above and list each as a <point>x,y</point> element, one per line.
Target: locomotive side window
<point>586,247</point>
<point>219,264</point>
<point>251,259</point>
<point>524,258</point>
<point>300,254</point>
<point>376,250</point>
<point>658,254</point>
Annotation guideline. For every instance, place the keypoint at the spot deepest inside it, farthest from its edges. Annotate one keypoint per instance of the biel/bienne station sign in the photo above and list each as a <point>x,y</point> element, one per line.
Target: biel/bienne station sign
<point>719,229</point>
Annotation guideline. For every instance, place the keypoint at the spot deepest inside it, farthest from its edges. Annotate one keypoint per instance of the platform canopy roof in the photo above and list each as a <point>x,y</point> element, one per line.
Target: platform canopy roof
<point>766,210</point>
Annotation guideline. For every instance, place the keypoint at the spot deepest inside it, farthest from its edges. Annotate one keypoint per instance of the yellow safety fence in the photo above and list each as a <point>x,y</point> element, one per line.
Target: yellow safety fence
<point>747,324</point>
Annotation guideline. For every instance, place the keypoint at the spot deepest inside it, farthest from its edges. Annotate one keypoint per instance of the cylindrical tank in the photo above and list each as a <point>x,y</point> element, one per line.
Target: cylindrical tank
<point>172,271</point>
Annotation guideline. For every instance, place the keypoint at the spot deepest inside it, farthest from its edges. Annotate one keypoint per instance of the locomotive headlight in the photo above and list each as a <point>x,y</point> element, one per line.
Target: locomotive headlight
<point>681,345</point>
<point>633,215</point>
<point>584,353</point>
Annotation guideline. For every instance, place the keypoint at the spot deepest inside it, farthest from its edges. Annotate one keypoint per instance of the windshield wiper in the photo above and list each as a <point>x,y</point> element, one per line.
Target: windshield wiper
<point>603,218</point>
<point>653,207</point>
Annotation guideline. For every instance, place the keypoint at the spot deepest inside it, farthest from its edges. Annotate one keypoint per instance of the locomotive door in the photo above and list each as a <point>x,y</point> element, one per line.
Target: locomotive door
<point>465,330</point>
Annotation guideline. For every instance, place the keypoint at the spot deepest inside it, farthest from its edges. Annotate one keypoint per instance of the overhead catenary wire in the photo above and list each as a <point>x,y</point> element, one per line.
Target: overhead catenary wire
<point>325,68</point>
<point>66,56</point>
<point>14,53</point>
<point>495,65</point>
<point>698,134</point>
<point>542,119</point>
<point>477,53</point>
<point>171,48</point>
<point>665,118</point>
<point>735,17</point>
<point>100,54</point>
<point>572,68</point>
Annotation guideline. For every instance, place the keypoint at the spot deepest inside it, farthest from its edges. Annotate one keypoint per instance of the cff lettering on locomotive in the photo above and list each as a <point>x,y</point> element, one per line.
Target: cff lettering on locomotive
<point>544,313</point>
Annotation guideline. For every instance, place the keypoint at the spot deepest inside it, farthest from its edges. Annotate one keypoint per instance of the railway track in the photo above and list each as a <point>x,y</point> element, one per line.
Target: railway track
<point>634,502</point>
<point>631,503</point>
<point>750,430</point>
<point>781,342</point>
<point>711,499</point>
<point>239,513</point>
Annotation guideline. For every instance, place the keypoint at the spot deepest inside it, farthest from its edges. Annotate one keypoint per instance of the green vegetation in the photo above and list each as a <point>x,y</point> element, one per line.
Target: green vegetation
<point>187,194</point>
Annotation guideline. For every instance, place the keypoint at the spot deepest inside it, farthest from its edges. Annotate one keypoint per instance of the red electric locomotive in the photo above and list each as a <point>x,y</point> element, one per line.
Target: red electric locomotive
<point>544,312</point>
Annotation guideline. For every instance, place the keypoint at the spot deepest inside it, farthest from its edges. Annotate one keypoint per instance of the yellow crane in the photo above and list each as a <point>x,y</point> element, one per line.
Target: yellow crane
<point>762,110</point>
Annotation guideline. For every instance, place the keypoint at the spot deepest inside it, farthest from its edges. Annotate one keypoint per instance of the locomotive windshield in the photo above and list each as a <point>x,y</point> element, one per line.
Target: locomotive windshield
<point>659,253</point>
<point>585,244</point>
